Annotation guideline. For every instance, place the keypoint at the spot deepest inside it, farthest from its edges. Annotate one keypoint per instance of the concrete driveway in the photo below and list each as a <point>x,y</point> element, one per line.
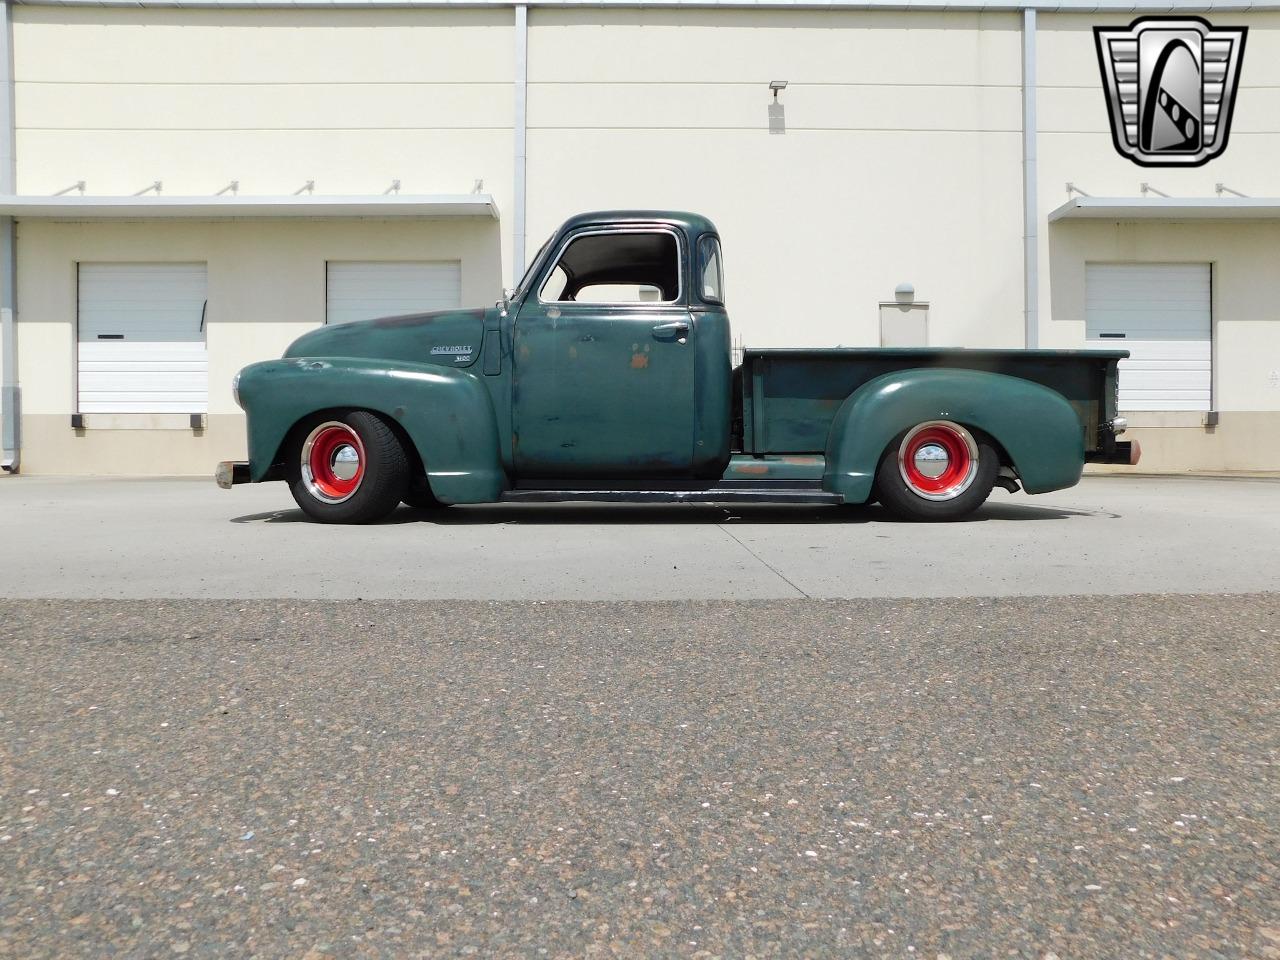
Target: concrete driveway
<point>108,538</point>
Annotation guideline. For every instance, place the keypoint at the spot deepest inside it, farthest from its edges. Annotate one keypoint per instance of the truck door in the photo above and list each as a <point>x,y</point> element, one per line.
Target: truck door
<point>604,366</point>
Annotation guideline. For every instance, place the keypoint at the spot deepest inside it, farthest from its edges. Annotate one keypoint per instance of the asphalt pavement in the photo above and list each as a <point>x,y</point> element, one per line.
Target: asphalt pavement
<point>1064,777</point>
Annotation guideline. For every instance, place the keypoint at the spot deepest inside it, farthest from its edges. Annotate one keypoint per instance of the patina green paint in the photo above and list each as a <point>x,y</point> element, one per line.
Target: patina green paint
<point>448,338</point>
<point>744,468</point>
<point>791,396</point>
<point>1037,427</point>
<point>604,390</point>
<point>598,392</point>
<point>447,415</point>
<point>712,390</point>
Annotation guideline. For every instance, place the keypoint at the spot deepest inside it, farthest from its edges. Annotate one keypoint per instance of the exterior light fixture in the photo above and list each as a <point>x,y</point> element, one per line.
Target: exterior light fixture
<point>777,112</point>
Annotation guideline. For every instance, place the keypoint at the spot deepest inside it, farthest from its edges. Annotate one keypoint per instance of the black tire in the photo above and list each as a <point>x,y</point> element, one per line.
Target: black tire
<point>381,472</point>
<point>420,497</point>
<point>908,502</point>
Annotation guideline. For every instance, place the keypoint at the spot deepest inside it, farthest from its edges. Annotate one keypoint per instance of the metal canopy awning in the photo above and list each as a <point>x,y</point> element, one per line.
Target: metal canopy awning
<point>1170,208</point>
<point>224,207</point>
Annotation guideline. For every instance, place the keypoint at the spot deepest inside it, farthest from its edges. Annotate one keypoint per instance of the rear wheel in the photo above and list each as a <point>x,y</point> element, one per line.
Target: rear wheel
<point>347,468</point>
<point>936,470</point>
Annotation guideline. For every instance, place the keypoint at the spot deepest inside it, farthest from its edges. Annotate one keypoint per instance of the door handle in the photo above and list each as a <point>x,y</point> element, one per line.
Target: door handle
<point>677,327</point>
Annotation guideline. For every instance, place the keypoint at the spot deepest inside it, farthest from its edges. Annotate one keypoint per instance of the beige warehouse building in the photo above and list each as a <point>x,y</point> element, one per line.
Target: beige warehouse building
<point>190,186</point>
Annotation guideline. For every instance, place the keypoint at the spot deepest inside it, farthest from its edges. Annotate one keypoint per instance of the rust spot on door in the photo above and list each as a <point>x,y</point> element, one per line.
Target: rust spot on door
<point>750,468</point>
<point>639,361</point>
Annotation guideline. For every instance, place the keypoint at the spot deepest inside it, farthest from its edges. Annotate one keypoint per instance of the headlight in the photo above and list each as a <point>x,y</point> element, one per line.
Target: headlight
<point>235,390</point>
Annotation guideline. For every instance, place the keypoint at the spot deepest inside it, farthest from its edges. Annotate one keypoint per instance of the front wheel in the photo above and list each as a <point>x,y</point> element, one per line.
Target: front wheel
<point>936,470</point>
<point>347,468</point>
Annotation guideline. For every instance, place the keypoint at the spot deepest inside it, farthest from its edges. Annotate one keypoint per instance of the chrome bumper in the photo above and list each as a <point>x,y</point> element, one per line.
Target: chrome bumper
<point>231,472</point>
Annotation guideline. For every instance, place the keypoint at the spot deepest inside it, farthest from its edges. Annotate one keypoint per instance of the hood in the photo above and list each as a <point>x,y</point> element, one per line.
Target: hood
<point>448,337</point>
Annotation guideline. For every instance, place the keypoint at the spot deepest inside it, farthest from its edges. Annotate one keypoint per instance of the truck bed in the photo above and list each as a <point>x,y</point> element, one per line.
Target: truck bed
<point>788,397</point>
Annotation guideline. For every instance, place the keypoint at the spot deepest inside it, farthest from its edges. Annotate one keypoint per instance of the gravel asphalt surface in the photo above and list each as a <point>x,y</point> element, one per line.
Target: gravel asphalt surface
<point>1070,777</point>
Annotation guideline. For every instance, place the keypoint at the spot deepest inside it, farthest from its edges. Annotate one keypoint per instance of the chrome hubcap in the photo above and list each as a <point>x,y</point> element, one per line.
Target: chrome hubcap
<point>346,462</point>
<point>932,460</point>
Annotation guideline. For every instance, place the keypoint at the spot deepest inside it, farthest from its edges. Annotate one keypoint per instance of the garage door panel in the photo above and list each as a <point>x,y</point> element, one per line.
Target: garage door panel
<point>1165,404</point>
<point>365,290</point>
<point>141,340</point>
<point>1163,313</point>
<point>1187,351</point>
<point>1171,380</point>
<point>146,381</point>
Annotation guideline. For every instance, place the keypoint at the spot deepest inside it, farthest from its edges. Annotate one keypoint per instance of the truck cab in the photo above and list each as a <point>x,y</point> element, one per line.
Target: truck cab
<point>606,374</point>
<point>621,360</point>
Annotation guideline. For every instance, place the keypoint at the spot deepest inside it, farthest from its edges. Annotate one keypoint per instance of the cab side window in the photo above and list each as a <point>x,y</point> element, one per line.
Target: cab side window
<point>710,270</point>
<point>641,266</point>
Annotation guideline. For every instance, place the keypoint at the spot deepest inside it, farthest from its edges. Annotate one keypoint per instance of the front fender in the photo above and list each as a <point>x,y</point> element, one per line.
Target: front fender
<point>447,414</point>
<point>1037,427</point>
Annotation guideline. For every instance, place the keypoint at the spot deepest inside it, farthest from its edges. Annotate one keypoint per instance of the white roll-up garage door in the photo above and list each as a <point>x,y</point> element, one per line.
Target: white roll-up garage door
<point>141,338</point>
<point>1160,313</point>
<point>363,290</point>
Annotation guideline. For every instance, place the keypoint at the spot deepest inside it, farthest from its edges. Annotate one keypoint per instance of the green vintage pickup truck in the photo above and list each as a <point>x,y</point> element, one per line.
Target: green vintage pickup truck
<point>607,375</point>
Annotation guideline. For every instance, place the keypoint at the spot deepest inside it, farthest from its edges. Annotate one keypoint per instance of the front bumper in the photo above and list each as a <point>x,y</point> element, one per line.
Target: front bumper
<point>231,472</point>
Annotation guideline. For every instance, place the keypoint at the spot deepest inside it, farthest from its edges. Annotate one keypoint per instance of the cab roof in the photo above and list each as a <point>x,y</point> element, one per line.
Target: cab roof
<point>692,223</point>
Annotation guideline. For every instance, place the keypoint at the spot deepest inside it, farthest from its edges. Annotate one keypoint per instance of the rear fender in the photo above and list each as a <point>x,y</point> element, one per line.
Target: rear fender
<point>447,414</point>
<point>1036,426</point>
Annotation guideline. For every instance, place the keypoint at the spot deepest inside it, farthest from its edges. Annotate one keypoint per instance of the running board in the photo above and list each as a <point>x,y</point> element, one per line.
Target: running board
<point>734,494</point>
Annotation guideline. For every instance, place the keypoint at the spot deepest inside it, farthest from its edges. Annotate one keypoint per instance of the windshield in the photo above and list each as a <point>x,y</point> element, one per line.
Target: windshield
<point>528,273</point>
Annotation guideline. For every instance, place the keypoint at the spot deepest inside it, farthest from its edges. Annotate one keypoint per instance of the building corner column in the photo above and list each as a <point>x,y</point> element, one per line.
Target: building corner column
<point>519,124</point>
<point>10,394</point>
<point>1030,206</point>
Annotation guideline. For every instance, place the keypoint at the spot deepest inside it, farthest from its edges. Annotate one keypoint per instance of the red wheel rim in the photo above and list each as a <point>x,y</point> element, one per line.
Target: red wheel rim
<point>938,460</point>
<point>333,462</point>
